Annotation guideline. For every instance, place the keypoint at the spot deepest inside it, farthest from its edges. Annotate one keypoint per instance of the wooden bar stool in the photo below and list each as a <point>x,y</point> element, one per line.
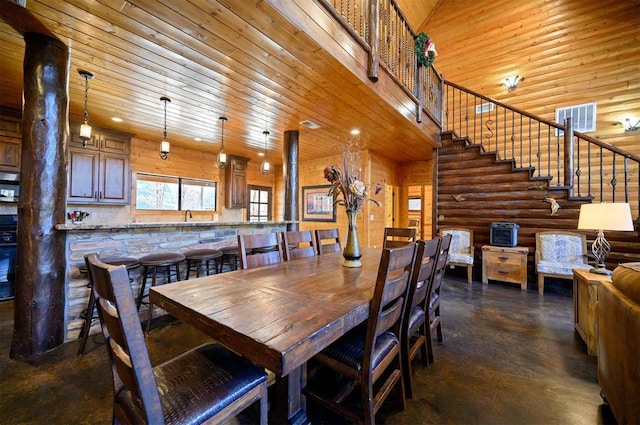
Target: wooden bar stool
<point>202,257</point>
<point>230,256</point>
<point>152,264</point>
<point>90,314</point>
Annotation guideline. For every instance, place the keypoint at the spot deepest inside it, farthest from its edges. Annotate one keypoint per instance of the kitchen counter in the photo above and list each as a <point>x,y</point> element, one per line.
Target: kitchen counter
<point>159,225</point>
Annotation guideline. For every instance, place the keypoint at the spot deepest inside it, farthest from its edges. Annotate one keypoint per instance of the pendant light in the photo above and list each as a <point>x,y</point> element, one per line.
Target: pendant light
<point>165,146</point>
<point>221,159</point>
<point>85,129</point>
<point>265,167</point>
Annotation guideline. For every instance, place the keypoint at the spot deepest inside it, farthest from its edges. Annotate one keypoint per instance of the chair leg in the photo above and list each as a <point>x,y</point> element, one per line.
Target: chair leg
<point>143,285</point>
<point>406,368</point>
<point>424,352</point>
<point>429,347</point>
<point>88,319</point>
<point>470,274</point>
<point>540,283</point>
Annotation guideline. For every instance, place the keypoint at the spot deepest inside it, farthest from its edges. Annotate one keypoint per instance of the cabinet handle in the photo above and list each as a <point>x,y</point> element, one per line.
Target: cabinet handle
<point>503,273</point>
<point>95,195</point>
<point>100,195</point>
<point>503,258</point>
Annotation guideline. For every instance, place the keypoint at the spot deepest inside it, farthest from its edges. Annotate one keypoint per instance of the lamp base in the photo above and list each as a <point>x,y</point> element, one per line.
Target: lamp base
<point>600,270</point>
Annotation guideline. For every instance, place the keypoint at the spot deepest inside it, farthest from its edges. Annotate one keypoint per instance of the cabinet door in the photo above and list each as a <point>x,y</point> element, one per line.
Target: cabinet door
<point>236,182</point>
<point>114,142</point>
<point>83,176</point>
<point>9,154</point>
<point>114,179</point>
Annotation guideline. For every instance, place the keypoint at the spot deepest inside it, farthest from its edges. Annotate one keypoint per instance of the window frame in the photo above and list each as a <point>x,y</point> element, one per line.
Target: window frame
<point>180,182</point>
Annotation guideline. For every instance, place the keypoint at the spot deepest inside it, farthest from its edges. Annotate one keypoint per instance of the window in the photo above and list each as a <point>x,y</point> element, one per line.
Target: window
<point>415,204</point>
<point>259,203</point>
<point>154,192</point>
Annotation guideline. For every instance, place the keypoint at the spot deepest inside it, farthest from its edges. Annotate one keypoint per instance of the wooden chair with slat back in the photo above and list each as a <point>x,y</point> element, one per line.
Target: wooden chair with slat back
<point>398,236</point>
<point>434,302</point>
<point>328,240</point>
<point>415,327</point>
<point>371,350</point>
<point>265,249</point>
<point>298,244</point>
<point>206,383</point>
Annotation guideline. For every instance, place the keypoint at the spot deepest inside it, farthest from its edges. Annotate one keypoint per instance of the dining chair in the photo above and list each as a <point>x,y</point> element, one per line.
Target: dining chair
<point>414,323</point>
<point>298,244</point>
<point>328,240</point>
<point>265,249</point>
<point>461,251</point>
<point>434,300</point>
<point>371,350</point>
<point>207,383</point>
<point>398,236</point>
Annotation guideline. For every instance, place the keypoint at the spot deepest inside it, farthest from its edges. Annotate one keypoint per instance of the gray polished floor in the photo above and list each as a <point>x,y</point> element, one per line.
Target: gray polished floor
<point>509,357</point>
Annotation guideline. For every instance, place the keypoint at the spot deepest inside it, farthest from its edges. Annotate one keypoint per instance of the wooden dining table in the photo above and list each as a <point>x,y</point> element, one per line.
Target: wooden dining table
<point>278,316</point>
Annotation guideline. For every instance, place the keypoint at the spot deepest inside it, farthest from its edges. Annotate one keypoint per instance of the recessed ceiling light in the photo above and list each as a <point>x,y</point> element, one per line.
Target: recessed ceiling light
<point>309,124</point>
<point>355,131</point>
<point>116,119</point>
<point>260,153</point>
<point>197,139</point>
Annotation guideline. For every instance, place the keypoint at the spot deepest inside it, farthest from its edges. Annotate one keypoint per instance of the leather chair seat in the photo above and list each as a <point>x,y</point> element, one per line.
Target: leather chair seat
<point>416,317</point>
<point>350,348</point>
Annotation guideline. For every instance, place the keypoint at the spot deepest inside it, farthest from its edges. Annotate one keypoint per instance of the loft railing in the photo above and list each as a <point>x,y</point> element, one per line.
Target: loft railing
<point>589,168</point>
<point>381,28</point>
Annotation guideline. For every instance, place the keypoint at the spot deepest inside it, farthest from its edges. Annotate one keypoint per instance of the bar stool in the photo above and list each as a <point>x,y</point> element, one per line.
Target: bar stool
<point>199,257</point>
<point>230,256</point>
<point>152,264</point>
<point>89,314</point>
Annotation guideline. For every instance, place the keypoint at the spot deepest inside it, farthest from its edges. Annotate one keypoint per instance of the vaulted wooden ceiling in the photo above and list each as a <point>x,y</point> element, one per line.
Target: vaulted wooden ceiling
<point>237,58</point>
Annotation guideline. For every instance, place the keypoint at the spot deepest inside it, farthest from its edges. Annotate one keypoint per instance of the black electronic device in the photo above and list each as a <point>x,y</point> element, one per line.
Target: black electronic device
<point>503,234</point>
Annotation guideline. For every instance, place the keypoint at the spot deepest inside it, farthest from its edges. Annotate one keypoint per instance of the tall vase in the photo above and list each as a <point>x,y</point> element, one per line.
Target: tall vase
<point>351,251</point>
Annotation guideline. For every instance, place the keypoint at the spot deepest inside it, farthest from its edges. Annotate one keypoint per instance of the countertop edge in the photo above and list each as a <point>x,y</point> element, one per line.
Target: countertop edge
<point>83,227</point>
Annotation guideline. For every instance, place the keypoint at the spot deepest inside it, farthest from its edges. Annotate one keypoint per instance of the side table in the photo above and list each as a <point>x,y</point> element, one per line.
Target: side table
<point>585,297</point>
<point>505,264</point>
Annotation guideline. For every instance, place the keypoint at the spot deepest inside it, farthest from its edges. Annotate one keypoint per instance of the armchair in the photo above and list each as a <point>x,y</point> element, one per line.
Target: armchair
<point>558,253</point>
<point>461,251</point>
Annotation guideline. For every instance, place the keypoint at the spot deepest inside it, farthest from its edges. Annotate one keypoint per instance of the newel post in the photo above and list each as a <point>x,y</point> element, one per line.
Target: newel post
<point>568,155</point>
<point>374,39</point>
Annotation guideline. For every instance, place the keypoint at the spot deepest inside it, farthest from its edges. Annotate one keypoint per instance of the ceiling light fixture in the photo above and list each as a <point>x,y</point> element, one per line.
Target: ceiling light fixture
<point>165,146</point>
<point>512,82</point>
<point>221,159</point>
<point>265,167</point>
<point>85,129</point>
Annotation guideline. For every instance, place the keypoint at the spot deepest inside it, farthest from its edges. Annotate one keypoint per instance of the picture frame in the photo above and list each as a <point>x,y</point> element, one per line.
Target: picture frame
<point>317,203</point>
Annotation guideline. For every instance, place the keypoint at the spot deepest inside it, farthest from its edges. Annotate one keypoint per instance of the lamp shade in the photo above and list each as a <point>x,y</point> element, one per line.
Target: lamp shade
<point>605,216</point>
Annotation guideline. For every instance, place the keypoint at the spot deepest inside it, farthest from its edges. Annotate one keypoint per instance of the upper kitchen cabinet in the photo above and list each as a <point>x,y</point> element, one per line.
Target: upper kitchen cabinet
<point>99,173</point>
<point>236,182</point>
<point>10,142</point>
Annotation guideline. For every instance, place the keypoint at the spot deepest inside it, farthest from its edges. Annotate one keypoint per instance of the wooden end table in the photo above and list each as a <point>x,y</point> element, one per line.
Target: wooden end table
<point>506,264</point>
<point>585,297</point>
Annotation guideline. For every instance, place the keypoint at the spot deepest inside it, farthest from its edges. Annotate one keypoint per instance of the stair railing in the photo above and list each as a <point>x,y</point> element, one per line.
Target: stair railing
<point>589,168</point>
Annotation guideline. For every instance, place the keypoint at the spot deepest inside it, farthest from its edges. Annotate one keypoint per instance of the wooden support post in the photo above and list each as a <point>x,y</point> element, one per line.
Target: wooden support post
<point>40,265</point>
<point>374,39</point>
<point>420,70</point>
<point>290,176</point>
<point>568,156</point>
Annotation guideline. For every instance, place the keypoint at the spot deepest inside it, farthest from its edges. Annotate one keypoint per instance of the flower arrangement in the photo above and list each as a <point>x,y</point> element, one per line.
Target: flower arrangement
<point>425,49</point>
<point>346,181</point>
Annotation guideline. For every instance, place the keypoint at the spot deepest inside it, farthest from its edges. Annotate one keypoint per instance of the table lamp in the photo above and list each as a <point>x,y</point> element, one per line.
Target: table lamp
<point>601,217</point>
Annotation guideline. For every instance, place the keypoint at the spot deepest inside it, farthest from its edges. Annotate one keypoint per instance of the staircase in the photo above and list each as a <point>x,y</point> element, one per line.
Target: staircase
<point>500,164</point>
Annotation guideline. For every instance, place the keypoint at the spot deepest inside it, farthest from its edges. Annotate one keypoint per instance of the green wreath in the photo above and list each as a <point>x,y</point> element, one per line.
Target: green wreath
<point>420,47</point>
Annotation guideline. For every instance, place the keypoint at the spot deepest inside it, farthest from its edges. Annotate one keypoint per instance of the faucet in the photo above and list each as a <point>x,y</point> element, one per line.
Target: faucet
<point>187,215</point>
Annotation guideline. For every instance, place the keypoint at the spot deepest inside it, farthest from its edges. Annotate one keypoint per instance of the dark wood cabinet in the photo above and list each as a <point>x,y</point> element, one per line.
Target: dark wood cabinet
<point>99,173</point>
<point>236,182</point>
<point>10,143</point>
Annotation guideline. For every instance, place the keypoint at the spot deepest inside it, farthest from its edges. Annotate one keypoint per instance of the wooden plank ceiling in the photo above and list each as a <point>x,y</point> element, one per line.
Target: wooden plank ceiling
<point>236,58</point>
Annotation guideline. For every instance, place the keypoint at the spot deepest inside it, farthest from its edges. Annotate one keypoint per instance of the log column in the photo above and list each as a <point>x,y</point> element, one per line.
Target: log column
<point>40,264</point>
<point>290,176</point>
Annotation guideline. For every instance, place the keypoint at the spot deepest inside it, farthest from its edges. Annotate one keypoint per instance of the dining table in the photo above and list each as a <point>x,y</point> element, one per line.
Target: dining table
<point>278,316</point>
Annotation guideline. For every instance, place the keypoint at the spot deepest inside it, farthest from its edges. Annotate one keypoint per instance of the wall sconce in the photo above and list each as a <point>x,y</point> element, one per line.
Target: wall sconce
<point>265,167</point>
<point>221,159</point>
<point>165,146</point>
<point>85,129</point>
<point>512,82</point>
<point>630,127</point>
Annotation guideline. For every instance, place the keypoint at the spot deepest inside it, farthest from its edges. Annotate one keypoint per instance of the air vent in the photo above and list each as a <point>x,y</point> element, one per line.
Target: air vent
<point>484,108</point>
<point>583,117</point>
<point>309,124</point>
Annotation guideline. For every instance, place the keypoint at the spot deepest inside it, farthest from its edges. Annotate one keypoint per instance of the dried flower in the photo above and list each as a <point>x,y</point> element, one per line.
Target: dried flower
<point>346,186</point>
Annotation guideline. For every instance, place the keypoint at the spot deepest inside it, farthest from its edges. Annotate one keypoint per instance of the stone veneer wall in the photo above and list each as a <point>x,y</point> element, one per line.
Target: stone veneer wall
<point>137,240</point>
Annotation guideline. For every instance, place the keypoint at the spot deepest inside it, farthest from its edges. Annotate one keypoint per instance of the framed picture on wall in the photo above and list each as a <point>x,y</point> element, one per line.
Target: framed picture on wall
<point>317,203</point>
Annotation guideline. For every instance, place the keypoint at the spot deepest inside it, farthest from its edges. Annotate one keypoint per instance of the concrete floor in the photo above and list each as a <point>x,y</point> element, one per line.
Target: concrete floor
<point>509,357</point>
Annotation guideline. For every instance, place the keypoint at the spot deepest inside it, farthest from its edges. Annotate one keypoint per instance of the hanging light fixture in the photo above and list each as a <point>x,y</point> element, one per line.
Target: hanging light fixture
<point>221,159</point>
<point>85,129</point>
<point>265,167</point>
<point>165,146</point>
